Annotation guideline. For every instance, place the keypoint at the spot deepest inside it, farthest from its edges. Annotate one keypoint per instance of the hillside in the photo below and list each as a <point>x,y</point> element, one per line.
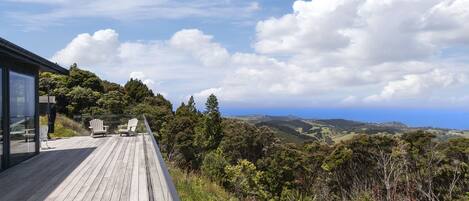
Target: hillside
<point>296,129</point>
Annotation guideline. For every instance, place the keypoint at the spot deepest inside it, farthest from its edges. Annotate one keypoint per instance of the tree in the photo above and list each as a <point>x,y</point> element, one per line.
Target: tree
<point>281,166</point>
<point>56,85</point>
<point>81,100</point>
<point>114,102</point>
<point>213,132</point>
<point>109,86</point>
<point>137,90</point>
<point>177,136</point>
<point>85,79</point>
<point>191,105</point>
<point>244,141</point>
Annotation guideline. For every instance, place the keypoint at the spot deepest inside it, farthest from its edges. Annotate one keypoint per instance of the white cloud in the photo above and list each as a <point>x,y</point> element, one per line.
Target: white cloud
<point>414,86</point>
<point>56,11</point>
<point>171,66</point>
<point>141,76</point>
<point>210,54</point>
<point>326,52</point>
<point>94,49</point>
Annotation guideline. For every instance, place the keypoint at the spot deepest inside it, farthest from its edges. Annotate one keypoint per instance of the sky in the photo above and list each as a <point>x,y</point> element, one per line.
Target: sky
<point>370,60</point>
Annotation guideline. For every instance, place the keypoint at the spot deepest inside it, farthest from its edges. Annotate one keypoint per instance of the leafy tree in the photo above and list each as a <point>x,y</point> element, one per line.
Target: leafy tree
<point>177,136</point>
<point>157,110</point>
<point>244,141</point>
<point>57,86</point>
<point>137,90</point>
<point>110,86</point>
<point>281,166</point>
<point>114,102</point>
<point>85,79</point>
<point>82,99</point>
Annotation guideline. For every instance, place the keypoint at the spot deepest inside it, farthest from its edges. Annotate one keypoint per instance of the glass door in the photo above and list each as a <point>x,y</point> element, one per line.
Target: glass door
<point>22,117</point>
<point>1,118</point>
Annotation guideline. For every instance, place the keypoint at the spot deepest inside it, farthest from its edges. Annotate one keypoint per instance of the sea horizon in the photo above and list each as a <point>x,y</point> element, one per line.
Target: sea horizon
<point>425,117</point>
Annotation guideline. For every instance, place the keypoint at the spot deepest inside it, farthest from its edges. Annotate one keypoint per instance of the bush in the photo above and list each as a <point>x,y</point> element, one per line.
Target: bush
<point>194,187</point>
<point>214,165</point>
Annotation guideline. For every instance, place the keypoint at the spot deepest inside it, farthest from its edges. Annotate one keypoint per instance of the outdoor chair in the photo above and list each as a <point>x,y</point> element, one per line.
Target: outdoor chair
<point>43,130</point>
<point>97,127</point>
<point>130,128</point>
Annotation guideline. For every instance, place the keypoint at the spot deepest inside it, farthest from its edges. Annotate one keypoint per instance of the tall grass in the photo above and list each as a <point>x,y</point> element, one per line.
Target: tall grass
<point>65,127</point>
<point>195,187</point>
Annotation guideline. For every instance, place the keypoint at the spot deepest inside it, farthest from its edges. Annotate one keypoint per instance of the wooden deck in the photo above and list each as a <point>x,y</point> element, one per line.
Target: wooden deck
<point>110,168</point>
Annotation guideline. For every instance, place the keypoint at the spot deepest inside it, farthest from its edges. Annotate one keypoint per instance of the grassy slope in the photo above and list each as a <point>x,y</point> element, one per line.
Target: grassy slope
<point>343,138</point>
<point>194,187</point>
<point>65,127</point>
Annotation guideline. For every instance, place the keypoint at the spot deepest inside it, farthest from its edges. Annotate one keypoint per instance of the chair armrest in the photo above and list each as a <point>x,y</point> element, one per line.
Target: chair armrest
<point>123,126</point>
<point>106,127</point>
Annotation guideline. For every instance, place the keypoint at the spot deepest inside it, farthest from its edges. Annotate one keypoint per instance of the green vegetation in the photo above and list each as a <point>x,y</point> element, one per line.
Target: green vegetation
<point>65,127</point>
<point>368,162</point>
<point>195,187</point>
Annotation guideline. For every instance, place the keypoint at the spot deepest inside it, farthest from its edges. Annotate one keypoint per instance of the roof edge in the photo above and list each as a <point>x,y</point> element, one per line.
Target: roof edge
<point>43,63</point>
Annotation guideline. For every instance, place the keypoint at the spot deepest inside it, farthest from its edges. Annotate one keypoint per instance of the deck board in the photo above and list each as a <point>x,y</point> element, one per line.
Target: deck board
<point>81,168</point>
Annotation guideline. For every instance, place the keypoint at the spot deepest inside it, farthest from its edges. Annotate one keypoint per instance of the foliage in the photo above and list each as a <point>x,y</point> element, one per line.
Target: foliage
<point>243,178</point>
<point>214,166</point>
<point>156,110</point>
<point>245,141</point>
<point>85,79</point>
<point>82,99</point>
<point>212,130</point>
<point>137,90</point>
<point>196,187</point>
<point>114,102</point>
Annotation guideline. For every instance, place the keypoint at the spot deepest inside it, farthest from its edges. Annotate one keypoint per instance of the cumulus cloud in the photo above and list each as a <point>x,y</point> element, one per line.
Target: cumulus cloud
<point>94,49</point>
<point>210,54</point>
<point>325,52</point>
<point>181,64</point>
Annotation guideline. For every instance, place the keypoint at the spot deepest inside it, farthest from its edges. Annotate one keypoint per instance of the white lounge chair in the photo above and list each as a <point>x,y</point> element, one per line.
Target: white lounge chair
<point>43,130</point>
<point>130,128</point>
<point>97,127</point>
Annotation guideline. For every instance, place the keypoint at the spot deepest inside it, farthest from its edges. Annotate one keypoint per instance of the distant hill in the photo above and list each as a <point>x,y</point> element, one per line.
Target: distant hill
<point>296,129</point>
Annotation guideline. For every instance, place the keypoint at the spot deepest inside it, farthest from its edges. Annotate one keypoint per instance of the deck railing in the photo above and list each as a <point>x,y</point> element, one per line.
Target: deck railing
<point>158,178</point>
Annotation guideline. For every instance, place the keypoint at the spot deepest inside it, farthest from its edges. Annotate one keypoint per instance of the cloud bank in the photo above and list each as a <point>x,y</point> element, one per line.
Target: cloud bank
<point>323,53</point>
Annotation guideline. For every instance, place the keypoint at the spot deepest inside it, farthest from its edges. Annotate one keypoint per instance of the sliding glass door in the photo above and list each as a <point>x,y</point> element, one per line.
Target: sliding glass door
<point>22,117</point>
<point>1,118</point>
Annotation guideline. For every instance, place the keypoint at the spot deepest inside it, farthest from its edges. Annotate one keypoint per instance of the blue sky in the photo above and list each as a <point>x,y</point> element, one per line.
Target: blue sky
<point>359,59</point>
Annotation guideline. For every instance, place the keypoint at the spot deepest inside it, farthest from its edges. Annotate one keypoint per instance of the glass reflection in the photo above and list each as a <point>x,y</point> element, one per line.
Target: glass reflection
<point>22,110</point>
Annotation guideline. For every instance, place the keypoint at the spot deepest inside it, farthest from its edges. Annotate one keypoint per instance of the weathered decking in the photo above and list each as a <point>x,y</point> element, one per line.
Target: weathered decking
<point>110,168</point>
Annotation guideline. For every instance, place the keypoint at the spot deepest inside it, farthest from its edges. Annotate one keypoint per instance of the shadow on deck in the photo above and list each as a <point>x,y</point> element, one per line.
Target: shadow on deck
<point>36,178</point>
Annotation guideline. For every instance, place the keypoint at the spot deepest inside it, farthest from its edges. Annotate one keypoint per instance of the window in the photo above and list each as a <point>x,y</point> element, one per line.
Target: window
<point>22,117</point>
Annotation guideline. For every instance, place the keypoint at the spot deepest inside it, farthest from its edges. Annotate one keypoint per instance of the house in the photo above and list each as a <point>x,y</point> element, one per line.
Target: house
<point>19,111</point>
